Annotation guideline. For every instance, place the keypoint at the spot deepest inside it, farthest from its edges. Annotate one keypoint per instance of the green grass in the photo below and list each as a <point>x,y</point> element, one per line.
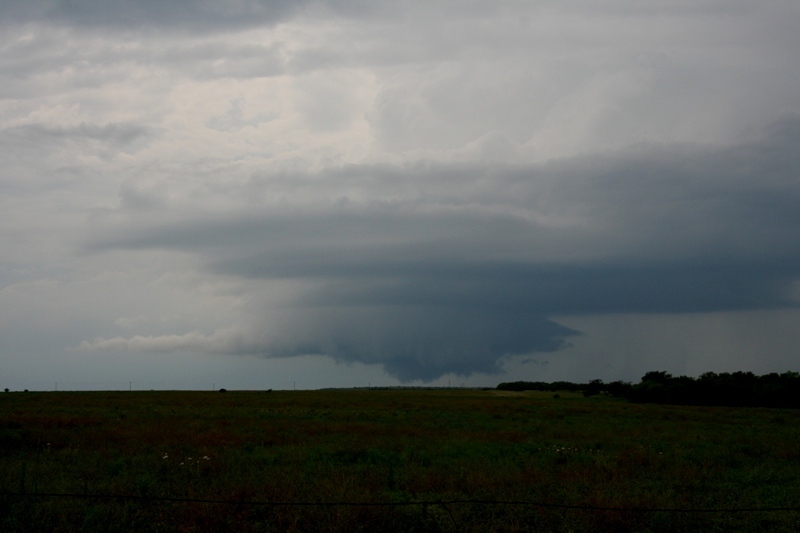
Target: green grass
<point>383,446</point>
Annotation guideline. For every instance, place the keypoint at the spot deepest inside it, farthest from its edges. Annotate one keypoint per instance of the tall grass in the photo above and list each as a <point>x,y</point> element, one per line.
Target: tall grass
<point>383,447</point>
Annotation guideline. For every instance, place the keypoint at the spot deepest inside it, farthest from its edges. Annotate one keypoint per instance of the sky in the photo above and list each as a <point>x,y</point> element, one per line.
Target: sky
<point>258,194</point>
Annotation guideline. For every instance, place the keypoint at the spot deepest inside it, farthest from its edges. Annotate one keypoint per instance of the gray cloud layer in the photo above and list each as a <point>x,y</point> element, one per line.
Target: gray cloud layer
<point>446,267</point>
<point>419,186</point>
<point>119,14</point>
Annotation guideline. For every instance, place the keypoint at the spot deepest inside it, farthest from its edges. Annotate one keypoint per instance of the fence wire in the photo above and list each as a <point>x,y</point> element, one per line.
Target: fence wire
<point>421,503</point>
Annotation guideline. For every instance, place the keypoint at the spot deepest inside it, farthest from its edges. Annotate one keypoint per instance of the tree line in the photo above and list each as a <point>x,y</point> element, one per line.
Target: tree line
<point>736,389</point>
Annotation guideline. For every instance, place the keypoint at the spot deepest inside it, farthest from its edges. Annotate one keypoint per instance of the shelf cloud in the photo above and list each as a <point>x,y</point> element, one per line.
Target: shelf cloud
<point>459,266</point>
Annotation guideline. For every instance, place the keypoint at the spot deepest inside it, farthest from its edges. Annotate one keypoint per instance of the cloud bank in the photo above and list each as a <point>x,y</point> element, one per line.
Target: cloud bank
<point>436,268</point>
<point>430,189</point>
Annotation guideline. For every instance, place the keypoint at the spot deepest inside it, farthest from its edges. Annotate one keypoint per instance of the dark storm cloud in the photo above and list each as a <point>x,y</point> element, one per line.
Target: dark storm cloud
<point>189,14</point>
<point>436,268</point>
<point>418,343</point>
<point>176,15</point>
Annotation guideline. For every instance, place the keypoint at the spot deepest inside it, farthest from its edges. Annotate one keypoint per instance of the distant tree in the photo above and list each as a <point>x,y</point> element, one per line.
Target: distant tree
<point>566,385</point>
<point>618,388</point>
<point>523,386</point>
<point>657,376</point>
<point>737,389</point>
<point>593,388</point>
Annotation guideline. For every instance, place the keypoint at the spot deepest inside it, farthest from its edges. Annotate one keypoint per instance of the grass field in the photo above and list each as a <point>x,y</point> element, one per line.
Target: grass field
<point>461,448</point>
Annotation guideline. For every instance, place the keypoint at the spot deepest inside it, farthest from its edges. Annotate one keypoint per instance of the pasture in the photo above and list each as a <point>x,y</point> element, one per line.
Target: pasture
<point>391,460</point>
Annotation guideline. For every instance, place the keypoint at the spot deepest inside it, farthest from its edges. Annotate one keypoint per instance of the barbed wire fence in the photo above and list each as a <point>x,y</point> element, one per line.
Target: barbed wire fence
<point>421,503</point>
<point>423,506</point>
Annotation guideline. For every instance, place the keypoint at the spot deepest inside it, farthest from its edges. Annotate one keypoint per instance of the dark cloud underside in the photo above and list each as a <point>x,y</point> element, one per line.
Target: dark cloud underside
<point>121,14</point>
<point>434,283</point>
<point>417,343</point>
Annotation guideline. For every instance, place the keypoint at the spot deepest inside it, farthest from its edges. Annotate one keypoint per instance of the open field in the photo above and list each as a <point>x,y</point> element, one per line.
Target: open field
<point>391,447</point>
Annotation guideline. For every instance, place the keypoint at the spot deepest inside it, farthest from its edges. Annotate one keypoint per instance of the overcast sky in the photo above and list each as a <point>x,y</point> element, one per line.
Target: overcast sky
<point>260,194</point>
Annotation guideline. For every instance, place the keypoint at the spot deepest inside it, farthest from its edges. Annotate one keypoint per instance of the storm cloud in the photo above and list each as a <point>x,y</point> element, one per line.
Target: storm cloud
<point>120,15</point>
<point>450,268</point>
<point>404,192</point>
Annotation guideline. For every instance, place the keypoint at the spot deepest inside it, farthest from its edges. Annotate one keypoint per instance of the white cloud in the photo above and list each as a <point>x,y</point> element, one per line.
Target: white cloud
<point>230,341</point>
